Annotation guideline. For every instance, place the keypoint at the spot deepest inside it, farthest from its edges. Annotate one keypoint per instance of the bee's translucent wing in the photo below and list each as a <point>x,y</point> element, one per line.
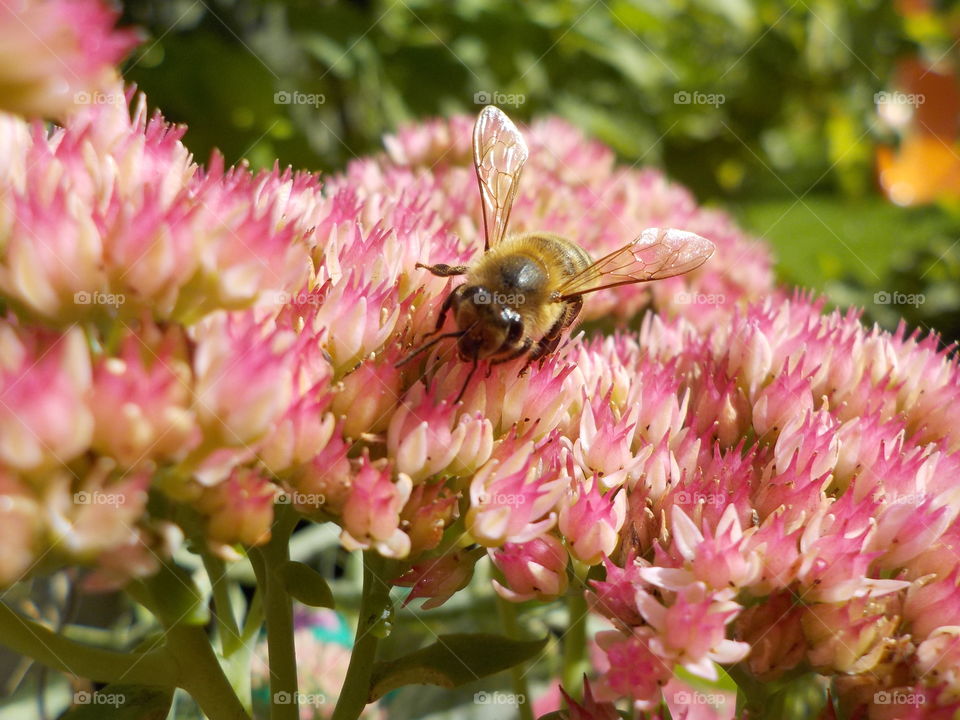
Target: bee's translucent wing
<point>499,153</point>
<point>658,253</point>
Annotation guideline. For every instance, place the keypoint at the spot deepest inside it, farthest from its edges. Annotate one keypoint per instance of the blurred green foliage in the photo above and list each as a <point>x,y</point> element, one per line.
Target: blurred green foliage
<point>765,104</point>
<point>772,88</point>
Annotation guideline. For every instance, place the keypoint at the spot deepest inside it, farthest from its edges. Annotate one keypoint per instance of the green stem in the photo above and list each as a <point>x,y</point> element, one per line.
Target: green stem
<point>267,561</point>
<point>575,643</point>
<point>32,639</point>
<point>374,601</point>
<point>508,618</point>
<point>201,674</point>
<point>176,602</point>
<point>226,621</point>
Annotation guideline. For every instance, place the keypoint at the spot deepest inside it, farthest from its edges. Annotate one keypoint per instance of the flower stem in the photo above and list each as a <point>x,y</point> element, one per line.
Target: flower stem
<point>176,602</point>
<point>278,610</point>
<point>201,674</point>
<point>508,618</point>
<point>575,643</point>
<point>226,621</point>
<point>34,640</point>
<point>374,601</point>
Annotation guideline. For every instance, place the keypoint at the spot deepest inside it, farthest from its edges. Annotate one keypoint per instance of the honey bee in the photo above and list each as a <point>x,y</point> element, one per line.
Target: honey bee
<point>526,289</point>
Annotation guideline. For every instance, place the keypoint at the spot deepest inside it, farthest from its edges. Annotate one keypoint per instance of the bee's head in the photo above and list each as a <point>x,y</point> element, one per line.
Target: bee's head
<point>488,326</point>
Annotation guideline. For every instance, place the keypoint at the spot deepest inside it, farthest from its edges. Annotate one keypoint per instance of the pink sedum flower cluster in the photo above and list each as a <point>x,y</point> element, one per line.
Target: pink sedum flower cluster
<point>746,479</point>
<point>56,55</point>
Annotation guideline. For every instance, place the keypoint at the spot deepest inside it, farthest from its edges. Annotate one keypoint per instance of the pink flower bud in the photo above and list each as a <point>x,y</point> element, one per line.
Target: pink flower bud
<point>371,514</point>
<point>45,383</point>
<point>239,509</point>
<point>359,318</point>
<point>512,494</point>
<point>850,637</point>
<point>534,569</point>
<point>439,578</point>
<point>21,528</point>
<point>55,54</point>
<point>243,379</point>
<point>426,515</point>
<point>591,521</point>
<point>427,437</point>
<point>142,408</point>
<point>367,395</point>
<point>750,357</point>
<point>786,398</point>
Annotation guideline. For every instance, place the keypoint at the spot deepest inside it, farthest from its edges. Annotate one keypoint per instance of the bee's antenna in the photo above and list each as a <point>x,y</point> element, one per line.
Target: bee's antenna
<point>430,344</point>
<point>467,381</point>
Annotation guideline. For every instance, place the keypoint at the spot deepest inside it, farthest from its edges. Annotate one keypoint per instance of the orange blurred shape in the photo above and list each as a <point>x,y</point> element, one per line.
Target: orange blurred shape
<point>926,168</point>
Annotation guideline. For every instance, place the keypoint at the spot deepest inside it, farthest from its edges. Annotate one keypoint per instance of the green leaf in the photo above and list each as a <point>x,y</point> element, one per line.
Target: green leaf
<point>306,584</point>
<point>723,683</point>
<point>121,702</point>
<point>453,660</point>
<point>172,596</point>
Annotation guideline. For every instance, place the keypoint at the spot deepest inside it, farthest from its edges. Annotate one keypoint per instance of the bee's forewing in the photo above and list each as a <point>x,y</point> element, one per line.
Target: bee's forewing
<point>656,254</point>
<point>499,152</point>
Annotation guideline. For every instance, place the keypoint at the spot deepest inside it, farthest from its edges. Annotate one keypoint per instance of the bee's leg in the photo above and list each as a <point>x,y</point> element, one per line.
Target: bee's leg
<point>549,342</point>
<point>448,302</point>
<point>524,348</point>
<point>442,270</point>
<point>573,310</point>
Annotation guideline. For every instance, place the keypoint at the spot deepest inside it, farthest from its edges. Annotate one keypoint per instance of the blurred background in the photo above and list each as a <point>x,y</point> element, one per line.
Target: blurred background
<point>828,127</point>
